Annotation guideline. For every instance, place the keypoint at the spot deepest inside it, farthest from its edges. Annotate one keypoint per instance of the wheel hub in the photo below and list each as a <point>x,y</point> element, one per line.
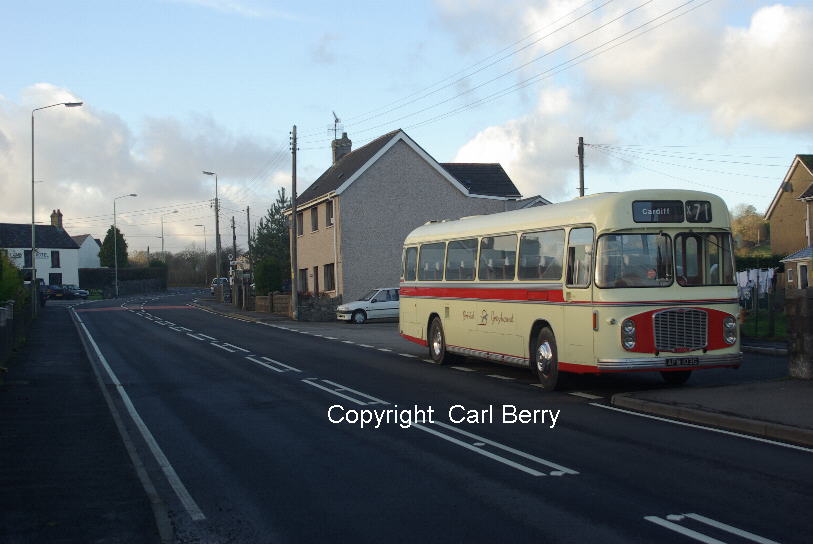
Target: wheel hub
<point>544,358</point>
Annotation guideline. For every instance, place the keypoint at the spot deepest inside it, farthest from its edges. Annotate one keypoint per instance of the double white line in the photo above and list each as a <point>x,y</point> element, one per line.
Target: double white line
<point>671,519</point>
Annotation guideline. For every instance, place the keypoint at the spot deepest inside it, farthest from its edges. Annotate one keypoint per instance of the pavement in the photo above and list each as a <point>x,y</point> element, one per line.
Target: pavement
<point>65,472</point>
<point>772,409</point>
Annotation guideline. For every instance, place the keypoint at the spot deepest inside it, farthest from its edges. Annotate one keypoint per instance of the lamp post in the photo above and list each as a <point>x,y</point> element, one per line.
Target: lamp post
<point>217,226</point>
<point>205,272</point>
<point>115,244</point>
<point>34,286</point>
<point>164,255</point>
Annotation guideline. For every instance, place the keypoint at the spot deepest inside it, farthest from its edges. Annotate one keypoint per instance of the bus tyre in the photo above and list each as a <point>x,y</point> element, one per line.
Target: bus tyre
<point>359,317</point>
<point>545,360</point>
<point>437,343</point>
<point>678,377</point>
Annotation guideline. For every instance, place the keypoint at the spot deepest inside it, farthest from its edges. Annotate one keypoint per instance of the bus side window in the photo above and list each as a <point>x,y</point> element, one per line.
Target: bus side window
<point>410,262</point>
<point>579,257</point>
<point>431,261</point>
<point>498,257</point>
<point>460,258</point>
<point>540,255</point>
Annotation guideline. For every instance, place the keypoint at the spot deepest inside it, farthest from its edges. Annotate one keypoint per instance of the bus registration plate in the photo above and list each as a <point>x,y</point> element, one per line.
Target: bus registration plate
<point>682,361</point>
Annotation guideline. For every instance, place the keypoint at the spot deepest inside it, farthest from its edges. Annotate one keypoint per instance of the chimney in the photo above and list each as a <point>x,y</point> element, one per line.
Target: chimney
<point>56,219</point>
<point>341,147</point>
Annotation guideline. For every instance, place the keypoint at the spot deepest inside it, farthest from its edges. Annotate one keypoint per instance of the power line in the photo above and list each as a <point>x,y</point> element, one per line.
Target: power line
<point>679,156</point>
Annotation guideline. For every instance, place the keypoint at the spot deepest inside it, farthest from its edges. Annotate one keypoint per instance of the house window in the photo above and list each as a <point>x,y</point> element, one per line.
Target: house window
<point>315,280</point>
<point>300,224</point>
<point>55,259</point>
<point>303,280</point>
<point>314,218</point>
<point>803,284</point>
<point>54,278</point>
<point>330,277</point>
<point>329,213</point>
<point>27,258</point>
<point>790,275</point>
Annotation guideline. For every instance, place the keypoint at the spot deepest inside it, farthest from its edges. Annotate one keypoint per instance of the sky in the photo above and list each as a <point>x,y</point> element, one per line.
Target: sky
<point>701,94</point>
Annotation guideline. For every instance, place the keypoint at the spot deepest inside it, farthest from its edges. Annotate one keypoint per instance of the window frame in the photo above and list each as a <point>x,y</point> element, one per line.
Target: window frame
<point>670,243</point>
<point>592,264</point>
<point>476,240</point>
<point>516,236</point>
<point>442,261</point>
<point>314,218</point>
<point>300,223</point>
<point>703,254</point>
<point>404,264</point>
<point>329,220</point>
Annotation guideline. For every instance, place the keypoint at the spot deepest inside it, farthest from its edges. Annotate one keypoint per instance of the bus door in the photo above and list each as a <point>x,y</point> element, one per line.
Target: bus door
<point>576,345</point>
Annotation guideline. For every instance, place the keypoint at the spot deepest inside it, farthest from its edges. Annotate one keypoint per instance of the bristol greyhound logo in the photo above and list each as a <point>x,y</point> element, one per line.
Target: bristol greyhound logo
<point>483,318</point>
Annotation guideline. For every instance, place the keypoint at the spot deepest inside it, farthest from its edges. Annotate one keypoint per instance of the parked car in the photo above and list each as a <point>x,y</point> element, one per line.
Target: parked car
<point>55,291</point>
<point>73,291</point>
<point>216,282</point>
<point>381,303</point>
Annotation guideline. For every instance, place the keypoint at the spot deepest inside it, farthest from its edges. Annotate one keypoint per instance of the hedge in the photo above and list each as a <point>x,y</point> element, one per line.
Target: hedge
<point>99,278</point>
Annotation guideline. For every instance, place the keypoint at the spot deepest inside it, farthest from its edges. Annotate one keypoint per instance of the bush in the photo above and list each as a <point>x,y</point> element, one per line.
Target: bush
<point>268,276</point>
<point>11,281</point>
<point>99,278</point>
<point>750,262</point>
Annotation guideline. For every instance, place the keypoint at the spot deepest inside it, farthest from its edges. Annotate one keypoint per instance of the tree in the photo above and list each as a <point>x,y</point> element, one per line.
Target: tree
<point>271,239</point>
<point>106,252</point>
<point>268,276</point>
<point>748,225</point>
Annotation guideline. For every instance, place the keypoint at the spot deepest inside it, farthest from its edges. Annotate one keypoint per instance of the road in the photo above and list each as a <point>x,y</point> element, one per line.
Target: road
<point>235,433</point>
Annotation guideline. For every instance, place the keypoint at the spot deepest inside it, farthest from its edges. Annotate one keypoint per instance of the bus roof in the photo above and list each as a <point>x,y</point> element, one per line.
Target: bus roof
<point>607,211</point>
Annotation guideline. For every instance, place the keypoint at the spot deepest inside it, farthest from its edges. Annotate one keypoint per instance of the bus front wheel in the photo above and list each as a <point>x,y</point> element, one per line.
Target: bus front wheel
<point>545,360</point>
<point>437,343</point>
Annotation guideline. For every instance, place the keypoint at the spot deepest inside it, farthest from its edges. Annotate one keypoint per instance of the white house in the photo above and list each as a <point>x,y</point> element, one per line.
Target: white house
<point>57,260</point>
<point>88,250</point>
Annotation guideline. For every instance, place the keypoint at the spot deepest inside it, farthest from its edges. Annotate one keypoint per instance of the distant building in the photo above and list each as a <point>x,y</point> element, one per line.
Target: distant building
<point>57,259</point>
<point>791,218</point>
<point>88,250</point>
<point>351,222</point>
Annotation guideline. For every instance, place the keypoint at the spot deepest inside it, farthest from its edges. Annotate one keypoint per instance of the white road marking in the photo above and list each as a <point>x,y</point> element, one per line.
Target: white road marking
<point>331,337</point>
<point>408,355</point>
<point>222,347</point>
<point>338,388</point>
<point>172,477</point>
<point>270,360</point>
<point>712,429</point>
<point>365,345</point>
<point>499,377</point>
<point>430,361</point>
<point>559,469</point>
<point>266,365</point>
<point>683,530</point>
<point>347,342</point>
<point>238,348</point>
<point>463,368</point>
<point>196,336</point>
<point>384,349</point>
<point>207,337</point>
<point>729,529</point>
<point>585,395</point>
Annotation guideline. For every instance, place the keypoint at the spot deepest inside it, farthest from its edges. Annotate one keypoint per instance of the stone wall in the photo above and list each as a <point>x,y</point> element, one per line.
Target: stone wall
<point>322,308</point>
<point>799,311</point>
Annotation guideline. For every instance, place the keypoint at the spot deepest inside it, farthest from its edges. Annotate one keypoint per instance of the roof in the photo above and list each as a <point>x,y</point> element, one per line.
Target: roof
<point>13,235</point>
<point>808,194</point>
<point>483,178</point>
<point>531,201</point>
<point>487,180</point>
<point>332,178</point>
<point>807,162</point>
<point>806,253</point>
<point>80,239</point>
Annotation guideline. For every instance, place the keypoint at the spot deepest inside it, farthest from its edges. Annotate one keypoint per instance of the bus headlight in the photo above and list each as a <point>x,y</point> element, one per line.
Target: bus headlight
<point>730,329</point>
<point>628,334</point>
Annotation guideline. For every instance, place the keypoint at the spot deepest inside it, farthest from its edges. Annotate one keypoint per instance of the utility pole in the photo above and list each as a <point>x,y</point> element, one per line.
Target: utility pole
<point>217,226</point>
<point>248,239</point>
<point>581,166</point>
<point>233,240</point>
<point>294,286</point>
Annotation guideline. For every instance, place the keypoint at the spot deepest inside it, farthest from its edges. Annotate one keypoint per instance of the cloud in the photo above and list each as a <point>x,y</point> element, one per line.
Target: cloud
<point>85,157</point>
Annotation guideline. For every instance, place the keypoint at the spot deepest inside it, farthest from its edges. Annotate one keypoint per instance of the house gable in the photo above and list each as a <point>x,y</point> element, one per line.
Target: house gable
<point>787,213</point>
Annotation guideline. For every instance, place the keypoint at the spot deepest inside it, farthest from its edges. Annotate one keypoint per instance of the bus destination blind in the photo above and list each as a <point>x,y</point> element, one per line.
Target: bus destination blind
<point>657,211</point>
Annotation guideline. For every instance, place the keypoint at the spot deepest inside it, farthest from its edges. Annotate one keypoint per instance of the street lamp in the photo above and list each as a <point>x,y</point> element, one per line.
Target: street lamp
<point>115,244</point>
<point>205,272</point>
<point>217,226</point>
<point>164,255</point>
<point>34,287</point>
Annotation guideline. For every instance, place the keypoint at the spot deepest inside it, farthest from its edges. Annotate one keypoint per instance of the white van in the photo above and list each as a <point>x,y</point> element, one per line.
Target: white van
<point>381,303</point>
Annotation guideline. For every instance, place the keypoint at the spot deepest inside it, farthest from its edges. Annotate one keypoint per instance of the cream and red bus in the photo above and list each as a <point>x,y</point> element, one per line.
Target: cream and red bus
<point>613,282</point>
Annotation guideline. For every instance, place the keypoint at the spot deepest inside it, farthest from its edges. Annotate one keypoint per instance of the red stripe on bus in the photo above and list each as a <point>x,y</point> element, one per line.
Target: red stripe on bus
<point>551,295</point>
<point>414,339</point>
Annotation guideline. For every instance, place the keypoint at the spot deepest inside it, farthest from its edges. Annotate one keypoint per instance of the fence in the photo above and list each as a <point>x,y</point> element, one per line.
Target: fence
<point>762,304</point>
<point>15,320</point>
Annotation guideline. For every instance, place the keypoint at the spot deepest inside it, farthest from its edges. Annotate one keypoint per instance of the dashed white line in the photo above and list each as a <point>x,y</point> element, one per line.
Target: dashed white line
<point>365,345</point>
<point>585,395</point>
<point>408,355</point>
<point>463,368</point>
<point>499,377</point>
<point>384,349</point>
<point>238,348</point>
<point>222,347</point>
<point>270,360</point>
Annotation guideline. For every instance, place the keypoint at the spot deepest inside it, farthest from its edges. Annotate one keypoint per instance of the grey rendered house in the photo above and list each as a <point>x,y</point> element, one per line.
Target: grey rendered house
<point>351,222</point>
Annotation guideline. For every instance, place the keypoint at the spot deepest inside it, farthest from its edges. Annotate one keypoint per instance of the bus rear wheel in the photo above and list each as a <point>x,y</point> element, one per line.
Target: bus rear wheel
<point>545,360</point>
<point>437,343</point>
<point>678,377</point>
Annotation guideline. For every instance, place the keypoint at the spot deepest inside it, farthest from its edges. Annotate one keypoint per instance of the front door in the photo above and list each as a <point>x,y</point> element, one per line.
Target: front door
<point>803,283</point>
<point>576,344</point>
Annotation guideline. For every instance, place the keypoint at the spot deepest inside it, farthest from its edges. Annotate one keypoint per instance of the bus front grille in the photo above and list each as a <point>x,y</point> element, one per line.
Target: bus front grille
<point>680,330</point>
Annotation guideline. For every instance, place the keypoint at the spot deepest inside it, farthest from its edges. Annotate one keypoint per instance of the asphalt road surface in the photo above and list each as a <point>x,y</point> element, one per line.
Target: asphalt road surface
<point>232,420</point>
